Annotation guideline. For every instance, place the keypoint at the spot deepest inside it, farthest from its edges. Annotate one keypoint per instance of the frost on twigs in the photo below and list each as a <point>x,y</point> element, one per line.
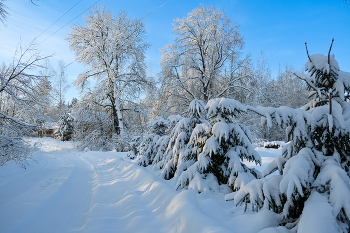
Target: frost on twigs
<point>113,49</point>
<point>14,148</point>
<point>21,110</point>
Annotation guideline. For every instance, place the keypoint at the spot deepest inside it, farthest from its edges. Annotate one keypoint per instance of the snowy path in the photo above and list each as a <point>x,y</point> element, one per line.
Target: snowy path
<point>68,190</point>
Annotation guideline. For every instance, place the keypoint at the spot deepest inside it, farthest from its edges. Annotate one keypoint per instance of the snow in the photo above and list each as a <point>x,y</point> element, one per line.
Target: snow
<point>297,172</point>
<point>320,62</point>
<point>340,185</point>
<point>64,189</point>
<point>322,222</point>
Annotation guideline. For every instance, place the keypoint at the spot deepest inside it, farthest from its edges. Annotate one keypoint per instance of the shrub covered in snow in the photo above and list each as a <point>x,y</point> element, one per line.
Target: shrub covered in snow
<point>65,128</point>
<point>313,185</point>
<point>93,130</point>
<point>14,148</point>
<point>179,138</point>
<point>147,150</point>
<point>218,148</point>
<point>134,144</point>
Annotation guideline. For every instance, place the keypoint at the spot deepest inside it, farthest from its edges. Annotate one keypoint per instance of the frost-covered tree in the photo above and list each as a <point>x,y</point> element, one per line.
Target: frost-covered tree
<point>93,127</point>
<point>61,86</point>
<point>114,49</point>
<point>218,148</point>
<point>20,102</point>
<point>313,184</point>
<point>193,67</point>
<point>65,129</point>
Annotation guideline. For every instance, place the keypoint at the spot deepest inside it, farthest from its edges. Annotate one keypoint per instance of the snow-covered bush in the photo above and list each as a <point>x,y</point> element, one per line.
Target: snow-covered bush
<point>121,143</point>
<point>134,144</point>
<point>219,148</point>
<point>13,148</point>
<point>21,103</point>
<point>147,149</point>
<point>314,179</point>
<point>179,138</point>
<point>93,130</point>
<point>65,129</point>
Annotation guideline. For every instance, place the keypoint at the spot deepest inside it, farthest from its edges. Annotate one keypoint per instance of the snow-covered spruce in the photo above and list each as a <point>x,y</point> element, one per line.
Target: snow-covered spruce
<point>161,146</point>
<point>147,149</point>
<point>219,148</point>
<point>134,145</point>
<point>152,148</point>
<point>313,185</point>
<point>179,138</point>
<point>65,127</point>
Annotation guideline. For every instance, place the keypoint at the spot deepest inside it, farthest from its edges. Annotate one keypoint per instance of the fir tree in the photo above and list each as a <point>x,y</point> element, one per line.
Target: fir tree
<point>179,138</point>
<point>65,129</point>
<point>314,165</point>
<point>147,149</point>
<point>219,148</point>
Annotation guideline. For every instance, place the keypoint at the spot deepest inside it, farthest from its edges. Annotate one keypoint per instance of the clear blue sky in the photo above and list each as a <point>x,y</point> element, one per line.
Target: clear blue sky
<point>276,28</point>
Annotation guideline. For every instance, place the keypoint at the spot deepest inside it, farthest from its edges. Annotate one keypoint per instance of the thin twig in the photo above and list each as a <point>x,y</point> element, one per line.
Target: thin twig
<point>307,51</point>
<point>329,53</point>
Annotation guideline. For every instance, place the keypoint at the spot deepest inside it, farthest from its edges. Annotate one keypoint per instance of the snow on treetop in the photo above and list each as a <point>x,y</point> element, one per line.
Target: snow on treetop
<point>221,130</point>
<point>160,122</point>
<point>320,62</point>
<point>173,119</point>
<point>223,108</point>
<point>196,109</point>
<point>345,78</point>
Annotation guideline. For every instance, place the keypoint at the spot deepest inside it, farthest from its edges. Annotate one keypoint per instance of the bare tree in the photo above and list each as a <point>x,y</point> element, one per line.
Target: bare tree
<point>20,102</point>
<point>61,86</point>
<point>3,11</point>
<point>114,49</point>
<point>193,67</point>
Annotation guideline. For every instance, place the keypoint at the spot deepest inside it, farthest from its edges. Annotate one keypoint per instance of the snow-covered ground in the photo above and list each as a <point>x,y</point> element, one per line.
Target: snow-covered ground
<point>66,190</point>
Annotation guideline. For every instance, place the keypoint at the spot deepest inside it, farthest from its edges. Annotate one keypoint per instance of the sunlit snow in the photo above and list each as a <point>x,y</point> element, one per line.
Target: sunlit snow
<point>63,189</point>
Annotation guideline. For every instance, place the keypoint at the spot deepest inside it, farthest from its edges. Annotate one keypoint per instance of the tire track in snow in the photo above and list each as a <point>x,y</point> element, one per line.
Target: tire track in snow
<point>134,199</point>
<point>101,192</point>
<point>55,204</point>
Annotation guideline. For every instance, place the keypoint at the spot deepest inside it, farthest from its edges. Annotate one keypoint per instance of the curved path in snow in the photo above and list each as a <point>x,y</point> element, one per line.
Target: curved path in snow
<point>67,190</point>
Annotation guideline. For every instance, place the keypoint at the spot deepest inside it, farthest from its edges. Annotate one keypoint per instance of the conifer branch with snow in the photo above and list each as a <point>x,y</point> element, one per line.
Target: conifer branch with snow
<point>314,165</point>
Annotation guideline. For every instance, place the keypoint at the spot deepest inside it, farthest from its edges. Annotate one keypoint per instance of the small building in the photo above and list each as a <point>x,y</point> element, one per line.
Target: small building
<point>48,130</point>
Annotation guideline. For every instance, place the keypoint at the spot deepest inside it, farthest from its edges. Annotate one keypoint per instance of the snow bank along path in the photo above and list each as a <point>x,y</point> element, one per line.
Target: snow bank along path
<point>67,190</point>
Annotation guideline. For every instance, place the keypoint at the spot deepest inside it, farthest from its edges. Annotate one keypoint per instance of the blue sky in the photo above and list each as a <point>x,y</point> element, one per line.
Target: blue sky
<point>278,29</point>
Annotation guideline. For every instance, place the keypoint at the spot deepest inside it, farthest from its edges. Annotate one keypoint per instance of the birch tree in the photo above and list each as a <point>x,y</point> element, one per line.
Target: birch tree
<point>207,43</point>
<point>114,49</point>
<point>61,86</point>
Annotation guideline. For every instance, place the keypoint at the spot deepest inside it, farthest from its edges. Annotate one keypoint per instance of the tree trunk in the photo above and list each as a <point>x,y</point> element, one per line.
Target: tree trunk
<point>330,103</point>
<point>117,107</point>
